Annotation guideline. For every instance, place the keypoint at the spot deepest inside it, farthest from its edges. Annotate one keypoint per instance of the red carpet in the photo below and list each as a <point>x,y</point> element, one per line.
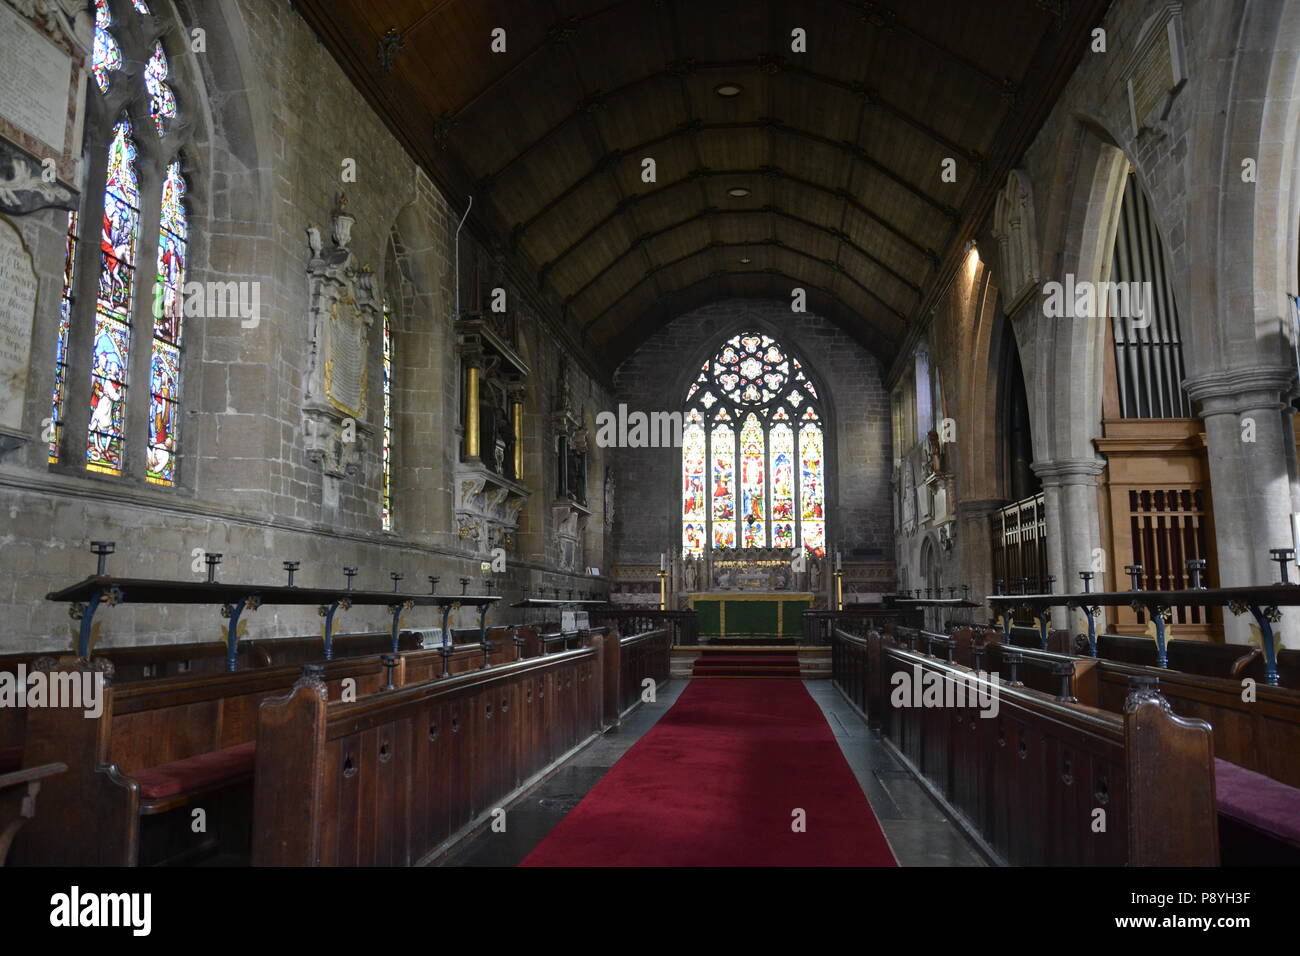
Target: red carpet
<point>747,665</point>
<point>715,783</point>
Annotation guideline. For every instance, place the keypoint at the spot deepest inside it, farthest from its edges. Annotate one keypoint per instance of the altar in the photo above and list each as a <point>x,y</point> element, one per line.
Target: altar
<point>751,613</point>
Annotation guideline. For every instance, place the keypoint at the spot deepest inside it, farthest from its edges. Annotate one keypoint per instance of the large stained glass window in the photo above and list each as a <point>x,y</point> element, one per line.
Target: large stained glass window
<point>753,452</point>
<point>116,309</point>
<point>388,421</point>
<point>108,382</point>
<point>165,363</point>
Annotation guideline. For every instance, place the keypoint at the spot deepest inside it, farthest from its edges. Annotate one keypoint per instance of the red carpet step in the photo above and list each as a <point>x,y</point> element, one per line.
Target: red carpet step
<point>717,782</point>
<point>747,665</point>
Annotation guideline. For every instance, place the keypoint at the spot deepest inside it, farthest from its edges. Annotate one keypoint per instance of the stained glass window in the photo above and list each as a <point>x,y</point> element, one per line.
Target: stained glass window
<point>724,484</point>
<point>812,492</point>
<point>106,56</point>
<point>112,349</point>
<point>753,489</point>
<point>162,102</point>
<point>694,496</point>
<point>753,416</point>
<point>388,421</point>
<point>61,344</point>
<point>782,482</point>
<point>165,362</point>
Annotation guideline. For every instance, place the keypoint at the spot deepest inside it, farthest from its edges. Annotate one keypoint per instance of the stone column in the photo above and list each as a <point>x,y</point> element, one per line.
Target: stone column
<point>1073,527</point>
<point>976,544</point>
<point>1250,443</point>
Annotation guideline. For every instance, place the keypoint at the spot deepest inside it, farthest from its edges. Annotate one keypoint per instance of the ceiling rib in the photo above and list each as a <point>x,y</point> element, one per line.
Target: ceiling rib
<point>766,63</point>
<point>777,244</point>
<point>693,127</point>
<point>709,211</point>
<point>930,256</point>
<point>638,332</point>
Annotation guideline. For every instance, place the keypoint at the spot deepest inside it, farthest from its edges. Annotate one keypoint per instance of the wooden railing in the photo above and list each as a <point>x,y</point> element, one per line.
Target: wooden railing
<point>681,625</point>
<point>818,625</point>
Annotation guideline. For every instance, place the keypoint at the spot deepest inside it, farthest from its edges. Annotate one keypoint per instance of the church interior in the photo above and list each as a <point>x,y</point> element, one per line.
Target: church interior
<point>649,433</point>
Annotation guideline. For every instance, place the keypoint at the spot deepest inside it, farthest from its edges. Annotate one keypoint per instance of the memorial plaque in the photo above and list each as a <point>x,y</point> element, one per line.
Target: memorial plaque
<point>34,97</point>
<point>17,312</point>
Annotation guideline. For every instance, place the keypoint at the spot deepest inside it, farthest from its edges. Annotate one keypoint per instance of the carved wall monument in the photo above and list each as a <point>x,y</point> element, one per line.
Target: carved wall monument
<point>489,489</point>
<point>343,307</point>
<point>17,312</point>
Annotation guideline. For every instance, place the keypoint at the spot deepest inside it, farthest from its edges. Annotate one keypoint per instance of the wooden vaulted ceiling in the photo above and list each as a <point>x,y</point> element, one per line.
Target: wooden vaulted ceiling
<point>839,150</point>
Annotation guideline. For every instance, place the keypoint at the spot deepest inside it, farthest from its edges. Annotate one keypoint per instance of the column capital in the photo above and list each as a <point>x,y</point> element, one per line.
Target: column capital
<point>1232,391</point>
<point>1068,471</point>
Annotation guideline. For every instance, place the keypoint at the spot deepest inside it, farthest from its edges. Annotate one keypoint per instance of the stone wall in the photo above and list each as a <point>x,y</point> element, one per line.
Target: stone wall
<point>275,119</point>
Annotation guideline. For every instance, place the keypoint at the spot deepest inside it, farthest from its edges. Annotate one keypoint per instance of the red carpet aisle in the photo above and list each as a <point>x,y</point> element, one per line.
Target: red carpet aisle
<point>715,783</point>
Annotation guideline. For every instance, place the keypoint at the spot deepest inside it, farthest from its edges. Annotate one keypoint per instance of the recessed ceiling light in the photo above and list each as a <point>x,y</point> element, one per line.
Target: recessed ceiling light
<point>727,89</point>
<point>745,260</point>
<point>738,192</point>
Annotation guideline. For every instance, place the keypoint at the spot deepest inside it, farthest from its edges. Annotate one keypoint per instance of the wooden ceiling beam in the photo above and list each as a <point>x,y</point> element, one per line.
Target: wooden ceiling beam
<point>677,302</point>
<point>839,236</point>
<point>928,254</point>
<point>765,63</point>
<point>713,246</point>
<point>696,126</point>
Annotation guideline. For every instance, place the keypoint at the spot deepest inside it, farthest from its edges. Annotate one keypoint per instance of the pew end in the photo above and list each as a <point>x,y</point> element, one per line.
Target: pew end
<point>1173,814</point>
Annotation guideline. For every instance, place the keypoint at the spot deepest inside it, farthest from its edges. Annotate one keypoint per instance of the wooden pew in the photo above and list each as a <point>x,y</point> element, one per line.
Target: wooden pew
<point>1257,737</point>
<point>642,656</point>
<point>18,791</point>
<point>391,779</point>
<point>1027,783</point>
<point>157,746</point>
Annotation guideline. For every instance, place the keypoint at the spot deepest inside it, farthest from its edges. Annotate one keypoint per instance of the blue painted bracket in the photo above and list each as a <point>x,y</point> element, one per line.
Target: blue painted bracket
<point>86,613</point>
<point>482,634</point>
<point>1157,614</point>
<point>232,611</point>
<point>327,611</point>
<point>446,639</point>
<point>1091,614</point>
<point>396,610</point>
<point>1266,617</point>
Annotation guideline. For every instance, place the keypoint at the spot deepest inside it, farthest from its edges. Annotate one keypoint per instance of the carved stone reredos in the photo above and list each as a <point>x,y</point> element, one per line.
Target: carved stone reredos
<point>343,306</point>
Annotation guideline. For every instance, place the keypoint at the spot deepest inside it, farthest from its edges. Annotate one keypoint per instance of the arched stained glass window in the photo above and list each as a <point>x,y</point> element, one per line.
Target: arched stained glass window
<point>108,382</point>
<point>165,363</point>
<point>388,420</point>
<point>753,452</point>
<point>118,312</point>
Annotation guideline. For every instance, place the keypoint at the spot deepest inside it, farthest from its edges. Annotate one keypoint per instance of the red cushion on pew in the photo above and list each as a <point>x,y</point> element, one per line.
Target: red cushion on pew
<point>195,772</point>
<point>11,759</point>
<point>1266,804</point>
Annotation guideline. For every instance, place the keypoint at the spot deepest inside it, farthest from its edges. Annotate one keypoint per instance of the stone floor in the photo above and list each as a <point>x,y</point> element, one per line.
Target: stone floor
<point>918,831</point>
